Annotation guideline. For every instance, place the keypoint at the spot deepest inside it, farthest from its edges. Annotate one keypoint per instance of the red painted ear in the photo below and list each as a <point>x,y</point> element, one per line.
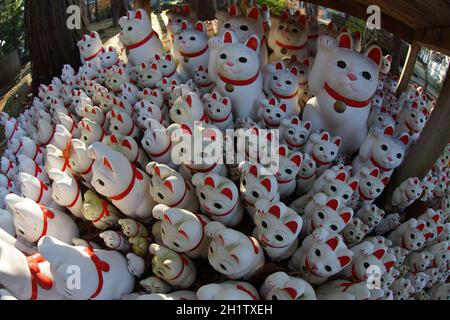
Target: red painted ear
<point>389,130</point>
<point>119,71</point>
<point>292,225</point>
<point>425,112</point>
<point>414,105</point>
<point>157,57</point>
<point>183,233</point>
<point>143,65</point>
<point>252,43</point>
<point>338,142</point>
<point>154,66</point>
<point>189,100</point>
<point>428,235</point>
<point>107,164</point>
<point>375,54</point>
<point>155,93</point>
<point>120,118</point>
<point>254,13</point>
<point>345,41</point>
<point>295,120</point>
<point>297,159</point>
<point>184,25</point>
<point>275,211</point>
<point>346,216</point>
<point>185,128</point>
<point>354,185</point>
<point>294,71</point>
<point>114,139</point>
<point>253,170</point>
<point>285,16</point>
<point>92,34</point>
<point>157,171</point>
<point>138,15</point>
<point>200,68</point>
<point>291,292</point>
<point>214,96</point>
<point>186,9</point>
<point>272,101</point>
<point>302,20</point>
<point>333,204</point>
<point>227,37</point>
<point>168,57</point>
<point>332,243</point>
<point>199,27</point>
<point>379,254</point>
<point>232,10</point>
<point>225,101</point>
<point>388,265</point>
<point>307,125</point>
<point>436,218</point>
<point>357,35</point>
<point>126,144</point>
<point>439,229</point>
<point>374,173</point>
<point>404,139</point>
<point>325,136</point>
<point>282,151</point>
<point>279,66</point>
<point>169,185</point>
<point>88,127</point>
<point>267,184</point>
<point>227,192</point>
<point>344,260</point>
<point>342,176</point>
<point>210,182</point>
<point>420,227</point>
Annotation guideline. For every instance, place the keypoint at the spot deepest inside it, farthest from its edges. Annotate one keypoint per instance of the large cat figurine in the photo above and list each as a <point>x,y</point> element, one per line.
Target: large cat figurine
<point>138,37</point>
<point>235,68</point>
<point>191,47</point>
<point>343,82</point>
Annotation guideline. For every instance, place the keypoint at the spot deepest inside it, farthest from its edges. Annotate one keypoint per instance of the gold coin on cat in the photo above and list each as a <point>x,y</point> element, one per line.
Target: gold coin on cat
<point>229,87</point>
<point>186,59</point>
<point>284,51</point>
<point>339,107</point>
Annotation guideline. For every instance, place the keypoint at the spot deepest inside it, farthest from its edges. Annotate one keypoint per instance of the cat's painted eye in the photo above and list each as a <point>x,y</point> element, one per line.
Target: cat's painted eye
<point>413,115</point>
<point>275,78</point>
<point>278,115</point>
<point>295,30</point>
<point>288,82</point>
<point>333,227</point>
<point>227,25</point>
<point>243,60</point>
<point>399,155</point>
<point>366,75</point>
<point>384,147</point>
<point>291,132</point>
<point>192,38</point>
<point>244,27</point>
<point>180,38</point>
<point>341,64</point>
<point>321,215</point>
<point>278,237</point>
<point>217,205</point>
<point>281,27</point>
<point>130,28</point>
<point>223,56</point>
<point>317,252</point>
<point>369,184</point>
<point>328,268</point>
<point>288,171</point>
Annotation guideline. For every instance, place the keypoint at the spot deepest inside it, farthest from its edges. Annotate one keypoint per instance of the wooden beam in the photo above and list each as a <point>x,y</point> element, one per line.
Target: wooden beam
<point>434,38</point>
<point>427,148</point>
<point>408,68</point>
<point>359,10</point>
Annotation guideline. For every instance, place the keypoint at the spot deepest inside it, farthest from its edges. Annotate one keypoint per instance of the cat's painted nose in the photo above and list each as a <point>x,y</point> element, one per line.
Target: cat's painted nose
<point>230,64</point>
<point>352,76</point>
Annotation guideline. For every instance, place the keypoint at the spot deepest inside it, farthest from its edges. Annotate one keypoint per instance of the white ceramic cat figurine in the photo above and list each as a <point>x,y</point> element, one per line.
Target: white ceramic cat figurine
<point>67,191</point>
<point>343,82</point>
<point>407,192</point>
<point>104,273</point>
<point>188,109</point>
<point>323,149</point>
<point>138,37</point>
<point>321,255</point>
<point>410,235</point>
<point>158,144</point>
<point>202,80</point>
<point>281,286</point>
<point>235,68</point>
<point>371,184</point>
<point>257,183</point>
<point>168,187</point>
<point>191,45</point>
<point>36,190</point>
<point>371,215</point>
<point>232,253</point>
<point>295,133</point>
<point>228,290</point>
<point>219,198</point>
<point>119,180</point>
<point>272,113</point>
<point>218,110</point>
<point>412,120</point>
<point>288,167</point>
<point>182,230</point>
<point>277,229</point>
<point>90,47</point>
<point>33,221</point>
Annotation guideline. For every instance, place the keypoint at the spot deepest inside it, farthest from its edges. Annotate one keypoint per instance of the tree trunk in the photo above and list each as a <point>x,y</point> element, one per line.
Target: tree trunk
<point>96,11</point>
<point>119,8</point>
<point>143,4</point>
<point>205,9</point>
<point>50,42</point>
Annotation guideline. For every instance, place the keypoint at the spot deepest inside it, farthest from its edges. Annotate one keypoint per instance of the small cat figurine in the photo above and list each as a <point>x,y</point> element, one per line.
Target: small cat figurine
<point>412,120</point>
<point>148,76</point>
<point>371,184</point>
<point>273,113</point>
<point>343,82</point>
<point>295,133</point>
<point>191,45</point>
<point>188,109</point>
<point>306,176</point>
<point>203,81</point>
<point>277,229</point>
<point>219,111</point>
<point>323,149</point>
<point>166,64</point>
<point>289,166</point>
<point>90,47</point>
<point>219,198</point>
<point>407,192</point>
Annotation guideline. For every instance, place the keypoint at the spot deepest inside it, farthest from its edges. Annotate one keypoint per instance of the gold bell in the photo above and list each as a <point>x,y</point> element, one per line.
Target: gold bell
<point>229,87</point>
<point>340,107</point>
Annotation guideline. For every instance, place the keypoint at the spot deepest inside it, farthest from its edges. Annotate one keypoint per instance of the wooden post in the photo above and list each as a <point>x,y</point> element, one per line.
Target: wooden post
<point>428,147</point>
<point>408,68</point>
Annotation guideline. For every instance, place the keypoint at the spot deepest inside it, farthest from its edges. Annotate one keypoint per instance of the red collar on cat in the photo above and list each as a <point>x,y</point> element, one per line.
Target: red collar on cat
<point>290,47</point>
<point>88,170</point>
<point>16,127</point>
<point>203,170</point>
<point>104,212</point>
<point>220,120</point>
<point>293,145</point>
<point>194,54</point>
<point>349,102</point>
<point>240,287</point>
<point>186,188</point>
<point>157,155</point>
<point>38,150</point>
<point>93,56</point>
<point>37,277</point>
<point>101,266</point>
<point>184,263</point>
<point>203,223</point>
<point>411,128</point>
<point>284,97</point>
<point>136,174</point>
<point>45,214</point>
<point>239,82</point>
<point>320,163</point>
<point>363,196</point>
<point>379,166</point>
<point>143,41</point>
<point>77,196</point>
<point>51,137</point>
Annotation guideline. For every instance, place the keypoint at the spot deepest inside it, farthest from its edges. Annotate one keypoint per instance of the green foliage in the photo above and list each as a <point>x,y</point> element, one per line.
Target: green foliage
<point>276,6</point>
<point>12,26</point>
